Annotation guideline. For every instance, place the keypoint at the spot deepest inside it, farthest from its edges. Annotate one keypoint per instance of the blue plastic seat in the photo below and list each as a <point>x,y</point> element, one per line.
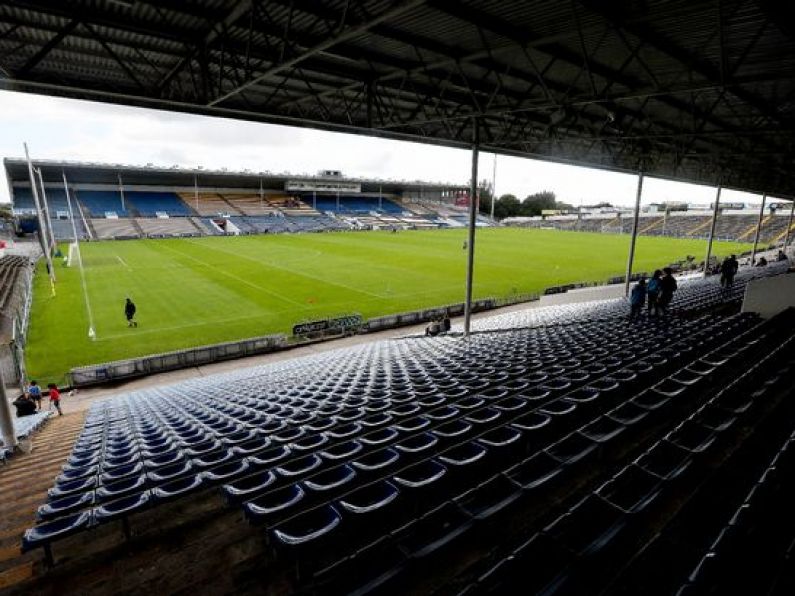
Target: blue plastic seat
<point>422,475</point>
<point>68,487</point>
<point>245,488</point>
<point>300,466</point>
<point>411,425</point>
<point>366,504</point>
<point>418,444</point>
<point>166,459</point>
<point>120,472</point>
<point>178,488</point>
<point>331,479</point>
<point>270,456</point>
<point>227,471</point>
<point>308,529</point>
<point>170,472</point>
<point>275,504</point>
<point>122,507</point>
<point>121,488</point>
<point>379,437</point>
<point>44,534</point>
<point>535,472</point>
<point>376,461</point>
<point>213,458</point>
<point>310,442</point>
<point>344,450</point>
<point>344,431</point>
<point>65,505</point>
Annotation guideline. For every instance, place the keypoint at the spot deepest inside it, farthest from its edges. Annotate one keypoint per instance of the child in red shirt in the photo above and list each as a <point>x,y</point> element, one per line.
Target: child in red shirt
<point>55,398</point>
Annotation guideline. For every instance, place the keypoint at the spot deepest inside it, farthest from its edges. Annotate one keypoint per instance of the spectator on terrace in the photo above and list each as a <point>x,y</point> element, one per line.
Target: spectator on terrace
<point>34,393</point>
<point>653,293</point>
<point>446,323</point>
<point>25,406</point>
<point>433,329</point>
<point>668,286</point>
<point>55,398</point>
<point>129,312</point>
<point>728,269</point>
<point>782,256</point>
<point>762,262</point>
<point>637,298</point>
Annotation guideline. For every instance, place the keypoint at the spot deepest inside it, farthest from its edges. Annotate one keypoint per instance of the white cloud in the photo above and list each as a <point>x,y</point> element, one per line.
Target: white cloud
<point>78,130</point>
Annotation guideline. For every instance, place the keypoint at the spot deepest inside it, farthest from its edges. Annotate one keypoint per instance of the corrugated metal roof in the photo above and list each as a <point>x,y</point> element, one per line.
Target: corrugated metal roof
<point>696,90</point>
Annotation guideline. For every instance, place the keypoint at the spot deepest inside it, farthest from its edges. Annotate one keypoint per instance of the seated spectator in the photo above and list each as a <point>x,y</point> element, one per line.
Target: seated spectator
<point>446,324</point>
<point>782,256</point>
<point>433,329</point>
<point>25,406</point>
<point>762,262</point>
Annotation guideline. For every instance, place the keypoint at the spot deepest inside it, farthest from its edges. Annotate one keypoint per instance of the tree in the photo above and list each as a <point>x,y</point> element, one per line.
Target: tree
<point>507,206</point>
<point>535,203</point>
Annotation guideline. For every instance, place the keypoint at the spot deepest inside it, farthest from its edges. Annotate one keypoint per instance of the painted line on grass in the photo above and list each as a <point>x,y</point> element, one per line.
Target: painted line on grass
<point>238,278</point>
<point>288,270</point>
<point>123,262</point>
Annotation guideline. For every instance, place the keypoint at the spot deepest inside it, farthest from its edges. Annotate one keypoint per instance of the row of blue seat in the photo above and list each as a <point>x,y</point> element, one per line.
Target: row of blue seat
<point>575,548</point>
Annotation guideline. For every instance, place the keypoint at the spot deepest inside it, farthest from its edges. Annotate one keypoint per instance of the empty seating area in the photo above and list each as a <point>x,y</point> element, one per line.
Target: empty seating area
<point>11,267</point>
<point>250,203</point>
<point>209,203</point>
<point>97,203</point>
<point>729,226</point>
<point>165,227</point>
<point>150,204</point>
<point>355,204</point>
<point>108,229</point>
<point>529,454</point>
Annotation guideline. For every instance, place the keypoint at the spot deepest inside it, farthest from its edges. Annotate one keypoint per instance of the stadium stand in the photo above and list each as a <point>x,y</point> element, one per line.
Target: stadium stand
<point>380,457</point>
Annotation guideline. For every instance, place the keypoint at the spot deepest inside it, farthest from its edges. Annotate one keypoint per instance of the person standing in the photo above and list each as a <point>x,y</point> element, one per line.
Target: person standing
<point>129,312</point>
<point>668,286</point>
<point>55,397</point>
<point>728,269</point>
<point>34,392</point>
<point>637,298</point>
<point>653,293</point>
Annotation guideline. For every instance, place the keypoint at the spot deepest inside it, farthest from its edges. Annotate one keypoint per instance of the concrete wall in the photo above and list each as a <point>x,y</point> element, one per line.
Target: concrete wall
<point>584,295</point>
<point>770,296</point>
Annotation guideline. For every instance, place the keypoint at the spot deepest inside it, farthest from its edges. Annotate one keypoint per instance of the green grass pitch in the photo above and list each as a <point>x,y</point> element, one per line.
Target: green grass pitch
<point>206,290</point>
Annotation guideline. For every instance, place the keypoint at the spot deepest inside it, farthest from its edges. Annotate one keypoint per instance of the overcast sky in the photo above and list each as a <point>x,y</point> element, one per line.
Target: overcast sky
<point>65,129</point>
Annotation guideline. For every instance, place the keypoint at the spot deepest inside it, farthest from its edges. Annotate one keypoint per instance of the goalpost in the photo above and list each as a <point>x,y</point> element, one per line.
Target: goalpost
<point>74,253</point>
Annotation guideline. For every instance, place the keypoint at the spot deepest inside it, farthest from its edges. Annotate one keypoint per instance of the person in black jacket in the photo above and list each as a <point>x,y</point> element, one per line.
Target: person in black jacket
<point>25,406</point>
<point>129,312</point>
<point>668,286</point>
<point>728,269</point>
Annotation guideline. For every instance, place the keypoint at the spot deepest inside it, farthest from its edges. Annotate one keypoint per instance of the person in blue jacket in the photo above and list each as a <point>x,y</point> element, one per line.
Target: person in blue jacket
<point>637,298</point>
<point>653,293</point>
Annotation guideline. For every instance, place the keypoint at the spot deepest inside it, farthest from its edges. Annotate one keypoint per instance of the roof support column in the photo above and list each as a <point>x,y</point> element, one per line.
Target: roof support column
<point>473,206</point>
<point>758,229</point>
<point>121,193</point>
<point>634,238</point>
<point>712,230</point>
<point>789,223</point>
